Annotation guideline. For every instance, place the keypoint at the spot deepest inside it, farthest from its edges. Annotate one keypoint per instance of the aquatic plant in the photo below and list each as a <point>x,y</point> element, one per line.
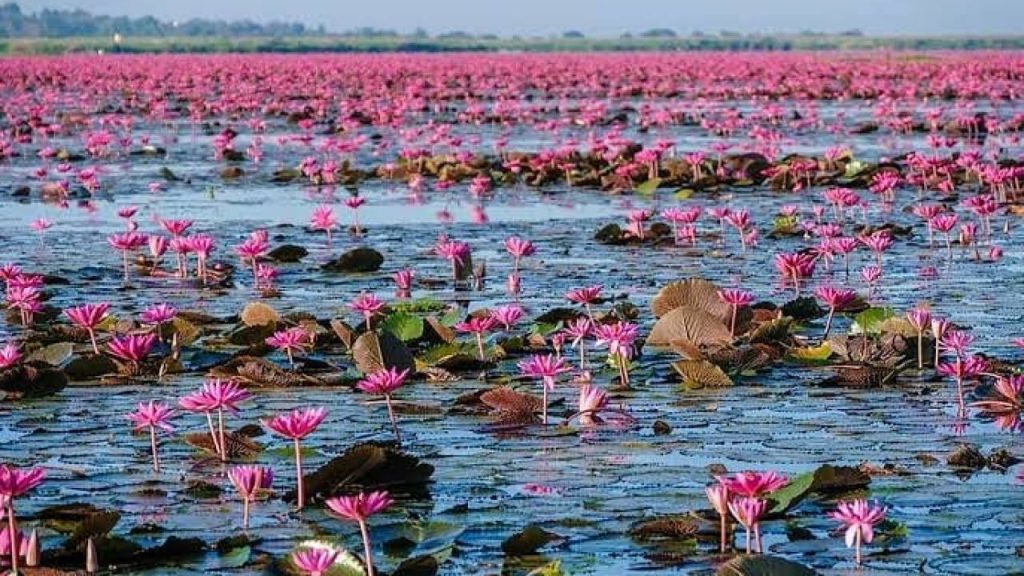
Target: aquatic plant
<point>152,415</point>
<point>216,395</point>
<point>291,341</point>
<point>359,508</point>
<point>297,425</point>
<point>15,482</point>
<point>89,317</point>
<point>546,368</point>
<point>250,481</point>
<point>859,517</point>
<point>384,383</point>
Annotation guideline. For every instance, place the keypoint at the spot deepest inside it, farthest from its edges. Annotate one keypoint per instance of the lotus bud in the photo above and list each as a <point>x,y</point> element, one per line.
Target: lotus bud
<point>92,563</point>
<point>32,551</point>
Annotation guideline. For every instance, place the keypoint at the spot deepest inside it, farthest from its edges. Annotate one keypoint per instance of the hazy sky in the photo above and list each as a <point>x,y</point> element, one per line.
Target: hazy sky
<point>593,17</point>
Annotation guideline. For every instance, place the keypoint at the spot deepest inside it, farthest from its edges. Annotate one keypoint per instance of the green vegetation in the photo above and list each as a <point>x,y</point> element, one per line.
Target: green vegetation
<point>352,43</point>
<point>63,31</point>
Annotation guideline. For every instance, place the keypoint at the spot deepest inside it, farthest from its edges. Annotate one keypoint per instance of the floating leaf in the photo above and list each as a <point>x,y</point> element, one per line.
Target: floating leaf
<point>771,332</point>
<point>553,568</point>
<point>528,541</point>
<point>701,374</point>
<point>683,193</point>
<point>672,527</point>
<point>93,526</point>
<point>792,493</point>
<point>54,354</point>
<point>235,558</point>
<point>405,326</point>
<point>356,260</point>
<point>870,321</point>
<point>287,253</point>
<point>693,292</point>
<point>759,565</point>
<point>648,187</point>
<point>365,467</point>
<point>373,353</point>
<point>697,326</point>
<point>259,314</point>
<point>812,354</point>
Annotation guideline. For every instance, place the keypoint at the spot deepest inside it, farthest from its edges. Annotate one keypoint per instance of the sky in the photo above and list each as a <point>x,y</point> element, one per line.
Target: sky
<point>592,17</point>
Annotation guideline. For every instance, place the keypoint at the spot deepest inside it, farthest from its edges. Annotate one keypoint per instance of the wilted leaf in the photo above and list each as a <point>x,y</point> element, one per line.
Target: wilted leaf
<point>759,565</point>
<point>93,526</point>
<point>701,374</point>
<point>54,354</point>
<point>528,541</point>
<point>373,353</point>
<point>697,326</point>
<point>344,332</point>
<point>695,293</point>
<point>365,467</point>
<point>259,314</point>
<point>671,527</point>
<point>812,354</point>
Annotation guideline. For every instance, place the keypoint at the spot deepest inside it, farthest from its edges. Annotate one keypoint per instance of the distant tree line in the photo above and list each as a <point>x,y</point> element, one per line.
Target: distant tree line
<point>78,23</point>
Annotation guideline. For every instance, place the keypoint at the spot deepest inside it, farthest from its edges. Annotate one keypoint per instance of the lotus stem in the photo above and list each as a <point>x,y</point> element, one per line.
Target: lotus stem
<point>394,421</point>
<point>213,433</point>
<point>152,445</point>
<point>920,349</point>
<point>299,484</point>
<point>722,532</point>
<point>828,323</point>
<point>223,445</point>
<point>12,529</point>
<point>480,346</point>
<point>544,408</point>
<point>368,557</point>
<point>92,339</point>
<point>245,514</point>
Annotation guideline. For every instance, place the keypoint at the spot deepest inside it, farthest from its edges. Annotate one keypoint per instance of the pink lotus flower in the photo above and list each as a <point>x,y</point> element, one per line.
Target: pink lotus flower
<point>125,243</point>
<point>132,348</point>
<point>323,219</point>
<point>14,483</point>
<point>217,396</point>
<point>152,415</point>
<point>718,495</point>
<point>368,305</point>
<point>547,368</point>
<point>315,561</point>
<point>748,512</point>
<point>920,319</point>
<point>753,484</point>
<point>9,356</point>
<point>88,316</point>
<point>837,299</point>
<point>519,249</point>
<point>794,267</point>
<point>585,297</point>
<point>176,227</point>
<point>384,383</point>
<point>735,298</point>
<point>860,518</point>
<point>296,425</point>
<point>250,481</point>
<point>455,252</point>
<point>159,314</point>
<point>403,282</point>
<point>619,338</point>
<point>358,509</point>
<point>507,315</point>
<point>478,326</point>
<point>291,341</point>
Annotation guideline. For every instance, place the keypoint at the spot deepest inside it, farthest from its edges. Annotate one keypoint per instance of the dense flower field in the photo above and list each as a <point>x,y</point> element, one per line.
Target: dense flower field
<point>511,314</point>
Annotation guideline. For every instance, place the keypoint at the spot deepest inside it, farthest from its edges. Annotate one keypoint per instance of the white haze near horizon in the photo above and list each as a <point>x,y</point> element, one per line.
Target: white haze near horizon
<point>592,17</point>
